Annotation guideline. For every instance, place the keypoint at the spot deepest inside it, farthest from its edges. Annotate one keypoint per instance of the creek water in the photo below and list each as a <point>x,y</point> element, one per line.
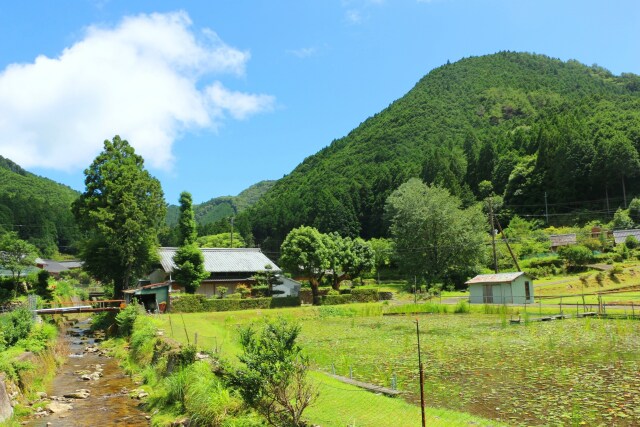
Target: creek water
<point>108,404</point>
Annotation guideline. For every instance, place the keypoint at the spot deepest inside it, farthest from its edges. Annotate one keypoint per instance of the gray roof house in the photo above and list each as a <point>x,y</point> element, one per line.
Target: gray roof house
<point>227,267</point>
<point>619,236</point>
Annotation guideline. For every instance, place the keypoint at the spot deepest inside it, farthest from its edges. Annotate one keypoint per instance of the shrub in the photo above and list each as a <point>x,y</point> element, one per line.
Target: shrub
<point>336,299</point>
<point>16,325</point>
<point>285,302</point>
<point>615,271</point>
<point>600,278</point>
<point>274,376</point>
<point>126,318</point>
<point>462,307</point>
<point>576,255</point>
<point>333,292</point>
<point>364,295</point>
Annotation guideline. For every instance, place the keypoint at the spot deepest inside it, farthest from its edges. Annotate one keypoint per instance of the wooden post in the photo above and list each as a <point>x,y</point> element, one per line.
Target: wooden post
<point>577,312</point>
<point>195,339</point>
<point>171,326</point>
<point>633,311</point>
<point>560,305</point>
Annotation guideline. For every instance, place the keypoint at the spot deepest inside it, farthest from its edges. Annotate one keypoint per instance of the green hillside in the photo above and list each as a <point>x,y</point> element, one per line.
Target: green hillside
<point>527,123</point>
<point>37,208</point>
<point>222,207</point>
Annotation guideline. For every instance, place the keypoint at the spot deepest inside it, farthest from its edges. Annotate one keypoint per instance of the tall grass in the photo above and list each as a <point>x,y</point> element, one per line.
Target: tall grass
<point>419,308</point>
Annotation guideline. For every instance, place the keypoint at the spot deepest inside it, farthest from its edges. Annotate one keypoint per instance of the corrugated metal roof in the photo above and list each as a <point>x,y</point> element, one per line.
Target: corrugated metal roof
<point>223,260</point>
<point>495,278</point>
<point>621,235</point>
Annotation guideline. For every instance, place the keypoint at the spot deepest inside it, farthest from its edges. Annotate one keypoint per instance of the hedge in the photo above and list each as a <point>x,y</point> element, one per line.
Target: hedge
<point>364,295</point>
<point>307,297</point>
<point>199,303</point>
<point>336,299</point>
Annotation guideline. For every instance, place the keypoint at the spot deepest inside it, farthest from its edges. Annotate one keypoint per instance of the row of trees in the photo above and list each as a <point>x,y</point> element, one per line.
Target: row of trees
<point>312,254</point>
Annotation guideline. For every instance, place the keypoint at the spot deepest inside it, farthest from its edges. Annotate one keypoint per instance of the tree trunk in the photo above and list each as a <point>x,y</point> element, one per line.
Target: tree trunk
<point>315,291</point>
<point>624,193</point>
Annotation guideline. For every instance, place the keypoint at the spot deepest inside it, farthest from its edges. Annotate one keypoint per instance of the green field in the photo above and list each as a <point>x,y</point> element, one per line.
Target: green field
<point>553,373</point>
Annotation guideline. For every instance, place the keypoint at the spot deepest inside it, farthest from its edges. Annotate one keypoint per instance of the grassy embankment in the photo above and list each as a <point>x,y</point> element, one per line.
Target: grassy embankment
<point>564,372</point>
<point>29,356</point>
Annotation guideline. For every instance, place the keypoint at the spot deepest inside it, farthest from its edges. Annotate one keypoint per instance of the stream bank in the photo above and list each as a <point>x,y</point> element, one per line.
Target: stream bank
<point>90,388</point>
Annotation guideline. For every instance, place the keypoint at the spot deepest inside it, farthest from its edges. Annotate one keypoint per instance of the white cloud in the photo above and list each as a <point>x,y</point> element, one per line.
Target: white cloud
<point>141,79</point>
<point>354,16</point>
<point>303,52</point>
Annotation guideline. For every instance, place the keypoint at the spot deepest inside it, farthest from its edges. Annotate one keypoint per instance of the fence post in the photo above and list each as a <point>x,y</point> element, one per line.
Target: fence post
<point>195,339</point>
<point>560,305</point>
<point>633,311</point>
<point>577,310</point>
<point>351,372</point>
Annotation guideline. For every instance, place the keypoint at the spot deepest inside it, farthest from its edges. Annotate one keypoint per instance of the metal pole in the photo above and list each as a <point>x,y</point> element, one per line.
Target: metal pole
<point>493,236</point>
<point>424,420</point>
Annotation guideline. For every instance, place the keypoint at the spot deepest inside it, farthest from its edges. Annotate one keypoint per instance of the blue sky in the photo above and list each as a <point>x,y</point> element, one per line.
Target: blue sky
<point>218,95</point>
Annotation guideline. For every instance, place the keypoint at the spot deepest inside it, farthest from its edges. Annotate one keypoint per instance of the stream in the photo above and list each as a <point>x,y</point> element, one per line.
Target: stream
<point>101,398</point>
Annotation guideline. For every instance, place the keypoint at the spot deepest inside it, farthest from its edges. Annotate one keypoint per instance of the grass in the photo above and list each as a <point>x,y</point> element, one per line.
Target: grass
<point>561,372</point>
<point>341,404</point>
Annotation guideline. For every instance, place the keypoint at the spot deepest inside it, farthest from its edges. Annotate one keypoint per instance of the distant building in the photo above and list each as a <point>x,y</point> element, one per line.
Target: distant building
<point>501,288</point>
<point>56,267</point>
<point>558,240</point>
<point>619,236</point>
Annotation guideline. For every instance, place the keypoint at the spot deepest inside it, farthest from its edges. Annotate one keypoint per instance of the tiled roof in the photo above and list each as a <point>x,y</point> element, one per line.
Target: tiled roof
<point>223,260</point>
<point>621,235</point>
<point>563,239</point>
<point>495,278</point>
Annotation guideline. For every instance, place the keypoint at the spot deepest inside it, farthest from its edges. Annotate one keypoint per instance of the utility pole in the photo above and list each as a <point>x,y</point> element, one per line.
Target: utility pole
<point>513,257</point>
<point>232,218</point>
<point>546,208</point>
<point>424,421</point>
<point>493,235</point>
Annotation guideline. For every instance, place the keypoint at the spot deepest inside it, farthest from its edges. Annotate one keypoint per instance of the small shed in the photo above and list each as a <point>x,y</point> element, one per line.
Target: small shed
<point>153,297</point>
<point>501,288</point>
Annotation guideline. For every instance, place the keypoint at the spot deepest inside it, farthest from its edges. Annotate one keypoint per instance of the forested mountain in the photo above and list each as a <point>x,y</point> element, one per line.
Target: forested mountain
<point>526,124</point>
<point>222,207</point>
<point>37,208</point>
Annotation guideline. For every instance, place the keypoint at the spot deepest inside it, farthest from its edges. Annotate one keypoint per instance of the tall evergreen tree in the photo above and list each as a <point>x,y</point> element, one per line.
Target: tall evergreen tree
<point>121,211</point>
<point>188,259</point>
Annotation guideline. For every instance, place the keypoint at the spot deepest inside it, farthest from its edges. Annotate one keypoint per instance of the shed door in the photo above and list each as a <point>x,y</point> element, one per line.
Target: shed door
<point>487,293</point>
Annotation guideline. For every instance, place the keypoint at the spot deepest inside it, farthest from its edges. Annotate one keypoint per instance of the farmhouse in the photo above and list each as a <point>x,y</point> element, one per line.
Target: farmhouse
<point>619,236</point>
<point>558,240</point>
<point>153,296</point>
<point>501,288</point>
<point>227,267</point>
<point>56,267</point>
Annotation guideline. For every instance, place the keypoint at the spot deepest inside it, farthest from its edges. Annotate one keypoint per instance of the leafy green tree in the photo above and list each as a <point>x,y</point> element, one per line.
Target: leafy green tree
<point>16,255</point>
<point>621,220</point>
<point>434,238</point>
<point>304,252</point>
<point>189,270</point>
<point>634,210</point>
<point>361,258</point>
<point>273,378</point>
<point>121,211</point>
<point>187,222</point>
<point>631,242</point>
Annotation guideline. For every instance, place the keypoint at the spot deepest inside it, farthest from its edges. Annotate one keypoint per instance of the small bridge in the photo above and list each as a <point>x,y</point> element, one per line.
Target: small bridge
<point>83,307</point>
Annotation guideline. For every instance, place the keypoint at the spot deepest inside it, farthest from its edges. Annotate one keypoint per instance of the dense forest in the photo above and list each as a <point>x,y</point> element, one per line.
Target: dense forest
<point>37,208</point>
<point>527,127</point>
